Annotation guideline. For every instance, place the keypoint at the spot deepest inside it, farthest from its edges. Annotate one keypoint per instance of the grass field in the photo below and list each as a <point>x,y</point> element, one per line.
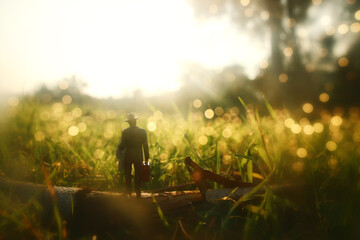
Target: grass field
<point>75,144</point>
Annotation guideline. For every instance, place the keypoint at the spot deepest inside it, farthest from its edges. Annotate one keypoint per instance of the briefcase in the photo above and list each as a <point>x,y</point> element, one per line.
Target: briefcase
<point>145,175</point>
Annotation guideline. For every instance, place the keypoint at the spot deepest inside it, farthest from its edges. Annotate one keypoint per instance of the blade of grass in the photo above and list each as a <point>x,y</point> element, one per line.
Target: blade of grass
<point>257,117</point>
<point>243,103</point>
<point>217,163</point>
<point>250,171</point>
<point>161,214</point>
<point>196,154</point>
<point>271,110</point>
<point>244,198</point>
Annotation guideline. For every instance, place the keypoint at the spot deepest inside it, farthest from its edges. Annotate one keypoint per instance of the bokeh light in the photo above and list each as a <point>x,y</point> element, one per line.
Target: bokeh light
<point>330,31</point>
<point>336,120</point>
<point>219,111</point>
<point>57,109</point>
<point>357,15</point>
<point>318,127</point>
<point>302,32</point>
<point>209,113</point>
<point>333,163</point>
<point>296,128</point>
<point>39,136</point>
<point>226,159</point>
<point>164,157</point>
<point>283,78</point>
<point>316,2</point>
<point>289,122</point>
<point>209,131</point>
<point>158,115</point>
<point>331,146</point>
<point>76,112</point>
<point>99,153</point>
<point>67,99</point>
<point>265,15</point>
<point>308,129</point>
<point>244,2</point>
<point>288,51</point>
<point>197,103</point>
<point>73,131</point>
<point>337,136</point>
<point>279,128</point>
<point>63,84</point>
<point>301,153</point>
<point>292,22</point>
<point>108,134</point>
<point>234,111</point>
<point>343,28</point>
<point>343,62</point>
<point>355,27</point>
<point>307,107</point>
<point>304,121</point>
<point>325,20</point>
<point>151,126</point>
<point>203,140</point>
<point>324,97</point>
<point>298,166</point>
<point>333,128</point>
<point>226,133</point>
<point>82,127</point>
<point>226,117</point>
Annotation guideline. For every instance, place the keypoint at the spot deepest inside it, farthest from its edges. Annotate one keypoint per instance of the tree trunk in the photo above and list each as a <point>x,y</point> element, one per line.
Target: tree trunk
<point>271,85</point>
<point>86,212</point>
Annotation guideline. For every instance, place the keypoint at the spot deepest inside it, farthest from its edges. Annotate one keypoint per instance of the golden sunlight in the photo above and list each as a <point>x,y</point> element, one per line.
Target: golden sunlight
<point>116,47</point>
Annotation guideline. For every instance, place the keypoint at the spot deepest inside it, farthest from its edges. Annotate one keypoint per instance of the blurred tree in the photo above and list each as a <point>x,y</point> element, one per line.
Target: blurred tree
<point>71,86</point>
<point>306,38</point>
<point>259,17</point>
<point>217,88</point>
<point>346,91</point>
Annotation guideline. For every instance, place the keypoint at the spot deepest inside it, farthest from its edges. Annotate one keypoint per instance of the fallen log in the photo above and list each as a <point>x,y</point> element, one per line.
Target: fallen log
<point>201,175</point>
<point>172,188</point>
<point>300,193</point>
<point>87,212</point>
<point>95,212</point>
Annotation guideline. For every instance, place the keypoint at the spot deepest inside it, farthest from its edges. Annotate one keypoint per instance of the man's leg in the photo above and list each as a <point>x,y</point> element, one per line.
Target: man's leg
<point>127,171</point>
<point>138,171</point>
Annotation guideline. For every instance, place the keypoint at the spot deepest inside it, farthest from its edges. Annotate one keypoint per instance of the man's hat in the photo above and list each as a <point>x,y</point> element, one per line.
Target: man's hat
<point>131,116</point>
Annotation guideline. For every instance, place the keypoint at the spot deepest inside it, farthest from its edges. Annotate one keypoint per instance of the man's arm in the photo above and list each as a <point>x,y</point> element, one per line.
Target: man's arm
<point>121,146</point>
<point>146,147</point>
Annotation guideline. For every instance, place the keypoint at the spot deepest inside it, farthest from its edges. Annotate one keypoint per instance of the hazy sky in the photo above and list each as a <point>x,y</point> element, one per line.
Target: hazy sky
<point>115,46</point>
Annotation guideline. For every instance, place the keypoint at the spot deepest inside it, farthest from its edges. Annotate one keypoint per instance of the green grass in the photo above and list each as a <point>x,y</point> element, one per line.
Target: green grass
<point>267,148</point>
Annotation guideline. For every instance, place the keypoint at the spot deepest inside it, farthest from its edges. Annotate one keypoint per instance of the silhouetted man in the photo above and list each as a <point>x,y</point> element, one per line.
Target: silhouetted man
<point>133,142</point>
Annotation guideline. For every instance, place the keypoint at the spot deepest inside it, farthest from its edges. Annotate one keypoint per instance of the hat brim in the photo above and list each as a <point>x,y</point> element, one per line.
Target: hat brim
<point>131,119</point>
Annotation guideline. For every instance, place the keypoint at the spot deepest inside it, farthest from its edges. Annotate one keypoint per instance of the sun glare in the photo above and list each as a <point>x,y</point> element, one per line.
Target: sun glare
<point>117,47</point>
